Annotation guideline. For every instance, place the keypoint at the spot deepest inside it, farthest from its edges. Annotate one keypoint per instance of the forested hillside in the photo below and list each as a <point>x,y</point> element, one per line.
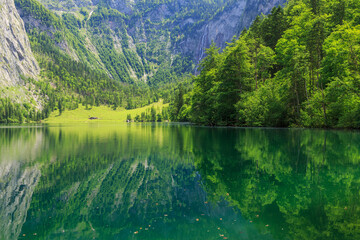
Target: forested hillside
<point>71,71</point>
<point>298,66</point>
<point>151,41</point>
<point>131,41</point>
<point>117,53</point>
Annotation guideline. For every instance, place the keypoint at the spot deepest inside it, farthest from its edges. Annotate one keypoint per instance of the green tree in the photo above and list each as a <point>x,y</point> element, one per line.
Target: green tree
<point>203,96</point>
<point>153,114</point>
<point>128,118</point>
<point>60,106</point>
<point>234,80</point>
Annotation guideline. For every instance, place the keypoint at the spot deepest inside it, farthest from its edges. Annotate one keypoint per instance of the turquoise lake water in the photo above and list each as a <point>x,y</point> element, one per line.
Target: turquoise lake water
<point>178,181</point>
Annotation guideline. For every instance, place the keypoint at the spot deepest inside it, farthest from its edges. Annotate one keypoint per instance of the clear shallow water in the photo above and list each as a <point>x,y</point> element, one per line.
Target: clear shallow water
<point>170,181</point>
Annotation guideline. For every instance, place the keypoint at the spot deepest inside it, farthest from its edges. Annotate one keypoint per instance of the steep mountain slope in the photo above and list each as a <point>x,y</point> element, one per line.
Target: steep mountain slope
<point>127,40</point>
<point>102,52</point>
<point>16,57</point>
<point>226,24</point>
<point>156,41</point>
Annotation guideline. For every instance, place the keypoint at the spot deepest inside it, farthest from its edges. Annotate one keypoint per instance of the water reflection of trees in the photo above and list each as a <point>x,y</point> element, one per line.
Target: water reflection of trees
<point>107,183</point>
<point>102,181</point>
<point>303,184</point>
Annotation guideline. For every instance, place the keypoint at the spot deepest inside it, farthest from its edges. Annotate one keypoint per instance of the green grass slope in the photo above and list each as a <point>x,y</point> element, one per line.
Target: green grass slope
<point>103,113</point>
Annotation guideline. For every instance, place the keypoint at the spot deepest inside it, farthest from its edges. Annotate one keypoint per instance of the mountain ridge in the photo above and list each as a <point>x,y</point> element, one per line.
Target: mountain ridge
<point>96,54</point>
<point>179,28</point>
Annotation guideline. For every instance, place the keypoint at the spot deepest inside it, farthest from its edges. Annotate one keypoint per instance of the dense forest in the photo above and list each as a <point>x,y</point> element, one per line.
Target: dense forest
<point>11,112</point>
<point>298,66</point>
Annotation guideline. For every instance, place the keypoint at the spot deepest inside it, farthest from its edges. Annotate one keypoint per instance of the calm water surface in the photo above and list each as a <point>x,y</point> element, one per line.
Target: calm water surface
<point>169,181</point>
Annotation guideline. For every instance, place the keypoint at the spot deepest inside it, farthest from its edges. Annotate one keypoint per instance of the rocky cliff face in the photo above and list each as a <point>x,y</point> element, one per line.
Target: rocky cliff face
<point>16,57</point>
<point>179,27</point>
<point>218,26</point>
<point>225,25</point>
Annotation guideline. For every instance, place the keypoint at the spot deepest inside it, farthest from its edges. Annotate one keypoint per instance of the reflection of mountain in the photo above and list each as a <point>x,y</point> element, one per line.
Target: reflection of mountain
<point>117,199</point>
<point>18,177</point>
<point>21,144</point>
<point>110,182</point>
<point>17,184</point>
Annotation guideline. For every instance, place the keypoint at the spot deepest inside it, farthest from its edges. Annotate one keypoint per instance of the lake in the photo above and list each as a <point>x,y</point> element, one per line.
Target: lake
<point>178,181</point>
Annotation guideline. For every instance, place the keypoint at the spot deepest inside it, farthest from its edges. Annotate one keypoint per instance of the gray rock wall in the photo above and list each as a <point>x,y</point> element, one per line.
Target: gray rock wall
<point>223,27</point>
<point>16,57</point>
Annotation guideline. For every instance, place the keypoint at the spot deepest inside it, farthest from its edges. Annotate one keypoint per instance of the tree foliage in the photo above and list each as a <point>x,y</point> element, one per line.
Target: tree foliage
<point>298,66</point>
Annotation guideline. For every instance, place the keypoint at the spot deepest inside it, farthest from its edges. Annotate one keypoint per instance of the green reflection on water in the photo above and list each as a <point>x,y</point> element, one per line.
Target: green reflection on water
<point>170,181</point>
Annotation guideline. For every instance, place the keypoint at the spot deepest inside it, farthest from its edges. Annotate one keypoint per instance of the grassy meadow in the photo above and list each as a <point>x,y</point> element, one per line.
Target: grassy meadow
<point>103,113</point>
